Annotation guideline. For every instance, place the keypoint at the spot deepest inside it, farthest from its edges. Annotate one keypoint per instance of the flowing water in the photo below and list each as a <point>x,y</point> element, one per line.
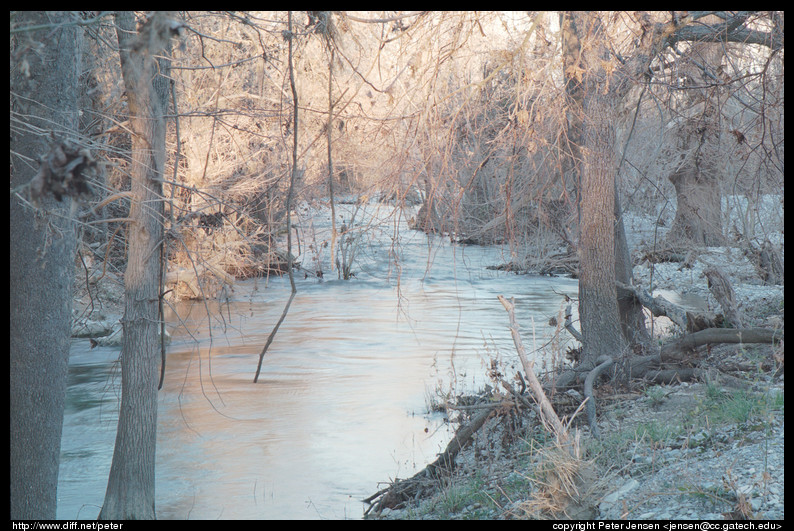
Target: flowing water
<point>342,401</point>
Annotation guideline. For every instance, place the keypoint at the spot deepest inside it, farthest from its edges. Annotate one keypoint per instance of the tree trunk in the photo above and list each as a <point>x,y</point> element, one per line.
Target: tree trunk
<point>45,66</point>
<point>130,491</point>
<point>572,141</point>
<point>598,307</point>
<point>723,292</point>
<point>698,217</point>
<point>632,318</point>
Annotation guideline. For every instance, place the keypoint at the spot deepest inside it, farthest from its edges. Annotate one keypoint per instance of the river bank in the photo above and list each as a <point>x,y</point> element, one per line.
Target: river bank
<point>712,449</point>
<point>685,451</point>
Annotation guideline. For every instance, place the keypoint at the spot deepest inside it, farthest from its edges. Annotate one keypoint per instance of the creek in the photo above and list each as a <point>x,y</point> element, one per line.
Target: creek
<point>342,401</point>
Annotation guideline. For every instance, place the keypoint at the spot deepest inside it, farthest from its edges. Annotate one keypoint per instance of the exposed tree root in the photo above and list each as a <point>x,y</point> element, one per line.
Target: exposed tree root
<point>704,329</point>
<point>649,367</point>
<point>590,408</point>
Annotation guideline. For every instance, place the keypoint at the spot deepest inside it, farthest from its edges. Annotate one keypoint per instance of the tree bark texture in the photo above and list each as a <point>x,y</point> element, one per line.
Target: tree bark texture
<point>45,65</point>
<point>632,320</point>
<point>598,307</point>
<point>572,141</point>
<point>131,485</point>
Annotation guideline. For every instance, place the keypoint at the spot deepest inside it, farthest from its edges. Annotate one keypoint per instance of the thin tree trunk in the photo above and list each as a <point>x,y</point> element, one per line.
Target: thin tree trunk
<point>329,131</point>
<point>130,492</point>
<point>44,95</point>
<point>574,103</point>
<point>288,206</point>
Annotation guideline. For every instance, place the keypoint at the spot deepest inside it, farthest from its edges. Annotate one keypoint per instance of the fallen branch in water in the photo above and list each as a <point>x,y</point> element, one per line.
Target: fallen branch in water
<point>403,490</point>
<point>476,407</point>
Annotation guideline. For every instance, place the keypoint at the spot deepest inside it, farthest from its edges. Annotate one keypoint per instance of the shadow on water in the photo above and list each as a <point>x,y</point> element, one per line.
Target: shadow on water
<point>342,400</point>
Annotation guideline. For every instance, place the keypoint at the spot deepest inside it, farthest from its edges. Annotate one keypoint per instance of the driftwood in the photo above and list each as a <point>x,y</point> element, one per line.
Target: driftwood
<point>767,263</point>
<point>555,264</point>
<point>661,307</point>
<point>546,408</point>
<point>722,290</point>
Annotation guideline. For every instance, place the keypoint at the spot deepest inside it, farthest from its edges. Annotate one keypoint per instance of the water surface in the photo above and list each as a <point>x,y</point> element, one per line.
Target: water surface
<point>341,403</point>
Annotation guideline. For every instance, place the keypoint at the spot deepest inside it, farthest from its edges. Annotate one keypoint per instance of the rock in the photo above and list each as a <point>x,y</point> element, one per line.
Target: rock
<point>627,487</point>
<point>610,500</point>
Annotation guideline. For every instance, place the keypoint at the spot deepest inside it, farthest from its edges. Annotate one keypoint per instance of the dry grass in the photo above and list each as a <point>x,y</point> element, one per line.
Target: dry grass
<point>562,479</point>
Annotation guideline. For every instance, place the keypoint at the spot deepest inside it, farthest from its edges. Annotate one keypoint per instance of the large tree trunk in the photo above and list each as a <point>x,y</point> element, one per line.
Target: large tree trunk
<point>45,66</point>
<point>598,306</point>
<point>130,491</point>
<point>698,217</point>
<point>632,319</point>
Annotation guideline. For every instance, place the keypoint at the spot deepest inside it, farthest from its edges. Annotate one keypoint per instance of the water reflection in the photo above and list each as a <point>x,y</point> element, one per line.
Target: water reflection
<point>341,401</point>
<point>89,429</point>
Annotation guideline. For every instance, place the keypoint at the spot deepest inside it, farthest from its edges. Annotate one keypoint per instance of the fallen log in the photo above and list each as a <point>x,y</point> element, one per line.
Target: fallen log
<point>672,351</point>
<point>649,367</point>
<point>662,255</point>
<point>661,307</point>
<point>446,459</point>
<point>704,329</point>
